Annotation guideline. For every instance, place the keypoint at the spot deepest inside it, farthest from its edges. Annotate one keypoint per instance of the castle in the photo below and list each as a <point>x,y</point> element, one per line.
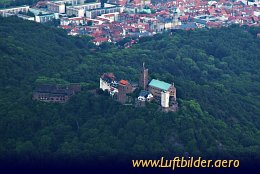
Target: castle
<point>161,92</point>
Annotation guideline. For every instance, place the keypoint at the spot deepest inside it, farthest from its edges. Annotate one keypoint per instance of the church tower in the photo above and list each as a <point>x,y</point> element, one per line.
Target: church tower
<point>143,80</point>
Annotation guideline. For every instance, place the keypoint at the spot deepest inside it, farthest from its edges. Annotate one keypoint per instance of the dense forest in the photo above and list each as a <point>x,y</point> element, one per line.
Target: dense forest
<point>216,73</point>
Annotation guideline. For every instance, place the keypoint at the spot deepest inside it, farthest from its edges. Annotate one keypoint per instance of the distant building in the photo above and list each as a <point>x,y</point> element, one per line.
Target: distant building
<point>25,17</point>
<point>13,11</point>
<point>73,2</point>
<point>146,2</point>
<point>56,7</point>
<point>119,2</point>
<point>143,79</point>
<point>92,10</point>
<point>137,2</point>
<point>100,40</point>
<point>106,9</point>
<point>42,15</point>
<point>111,16</point>
<point>65,21</point>
<point>55,93</point>
<point>44,18</point>
<point>202,20</point>
<point>75,11</point>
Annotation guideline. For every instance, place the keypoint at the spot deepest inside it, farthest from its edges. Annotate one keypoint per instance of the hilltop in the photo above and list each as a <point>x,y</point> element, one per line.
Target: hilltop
<point>216,73</point>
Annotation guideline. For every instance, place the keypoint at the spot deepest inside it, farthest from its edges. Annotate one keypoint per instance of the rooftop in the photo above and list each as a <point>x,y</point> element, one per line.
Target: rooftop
<point>123,82</point>
<point>144,93</point>
<point>160,84</point>
<point>8,8</point>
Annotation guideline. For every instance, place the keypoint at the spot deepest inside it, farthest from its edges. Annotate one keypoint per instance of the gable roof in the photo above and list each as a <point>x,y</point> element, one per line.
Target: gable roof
<point>160,84</point>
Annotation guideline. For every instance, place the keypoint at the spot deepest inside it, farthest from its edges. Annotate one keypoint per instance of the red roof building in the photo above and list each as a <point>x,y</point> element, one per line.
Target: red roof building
<point>123,82</point>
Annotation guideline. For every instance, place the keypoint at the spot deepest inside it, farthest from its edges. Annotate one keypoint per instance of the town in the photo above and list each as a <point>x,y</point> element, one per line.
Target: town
<point>115,20</point>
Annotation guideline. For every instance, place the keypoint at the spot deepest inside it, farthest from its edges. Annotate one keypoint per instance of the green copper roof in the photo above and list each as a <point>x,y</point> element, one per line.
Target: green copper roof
<point>160,84</point>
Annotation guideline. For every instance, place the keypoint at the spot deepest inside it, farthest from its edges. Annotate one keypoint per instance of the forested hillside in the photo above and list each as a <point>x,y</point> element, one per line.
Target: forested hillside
<point>216,73</point>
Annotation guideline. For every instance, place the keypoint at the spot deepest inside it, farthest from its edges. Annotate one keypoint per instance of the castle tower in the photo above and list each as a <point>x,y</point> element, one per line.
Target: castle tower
<point>143,80</point>
<point>124,87</point>
<point>165,97</point>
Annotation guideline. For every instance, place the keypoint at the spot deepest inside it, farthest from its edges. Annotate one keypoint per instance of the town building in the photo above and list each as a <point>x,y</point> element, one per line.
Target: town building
<point>105,9</point>
<point>82,9</point>
<point>92,5</point>
<point>99,40</point>
<point>43,18</point>
<point>119,2</point>
<point>43,15</point>
<point>13,11</point>
<point>75,11</point>
<point>25,17</point>
<point>56,6</point>
<point>73,2</point>
<point>55,93</point>
<point>92,10</point>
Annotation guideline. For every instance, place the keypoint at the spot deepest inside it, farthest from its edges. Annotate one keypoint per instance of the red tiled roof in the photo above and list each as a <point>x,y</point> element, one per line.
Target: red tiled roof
<point>100,39</point>
<point>223,11</point>
<point>123,82</point>
<point>213,24</point>
<point>182,18</point>
<point>109,15</point>
<point>66,27</point>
